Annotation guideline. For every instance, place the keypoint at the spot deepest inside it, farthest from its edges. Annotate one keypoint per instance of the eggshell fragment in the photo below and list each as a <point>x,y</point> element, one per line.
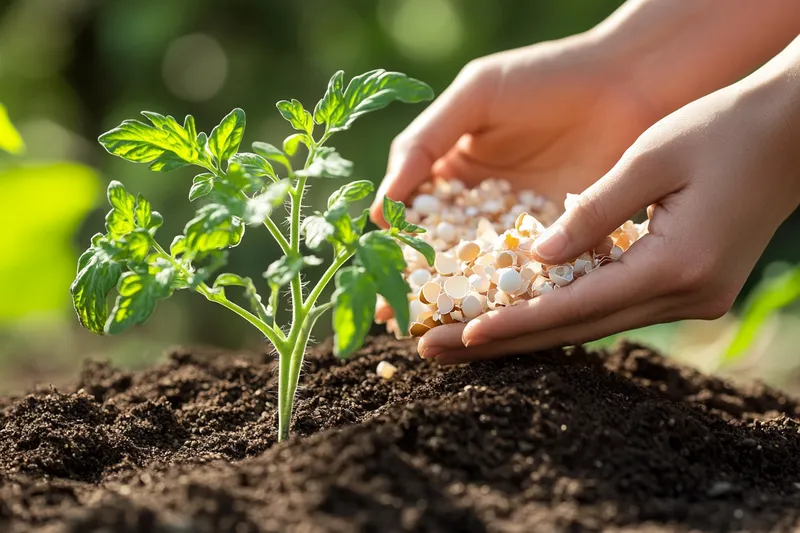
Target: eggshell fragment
<point>456,287</point>
<point>419,277</point>
<point>425,204</point>
<point>561,275</point>
<point>418,330</point>
<point>468,251</point>
<point>386,370</point>
<point>444,304</point>
<point>446,264</point>
<point>429,292</point>
<point>509,280</point>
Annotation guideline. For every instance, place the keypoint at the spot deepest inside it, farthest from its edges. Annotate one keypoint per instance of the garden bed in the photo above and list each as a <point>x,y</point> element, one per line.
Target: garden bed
<point>575,440</point>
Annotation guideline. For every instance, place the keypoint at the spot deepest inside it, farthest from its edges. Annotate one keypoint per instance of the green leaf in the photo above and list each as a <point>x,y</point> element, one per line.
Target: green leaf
<point>353,309</point>
<point>237,180</point>
<point>121,220</point>
<point>260,207</point>
<point>141,143</point>
<point>167,162</point>
<point>394,212</point>
<point>328,164</point>
<point>316,230</point>
<point>250,293</point>
<point>770,296</point>
<point>206,264</point>
<point>344,232</point>
<point>361,221</point>
<point>292,142</point>
<point>332,99</point>
<point>214,227</point>
<point>254,164</point>
<point>368,92</point>
<point>98,272</point>
<point>382,257</point>
<point>143,212</point>
<point>201,186</point>
<point>299,118</point>
<point>10,139</point>
<point>225,138</point>
<point>190,127</point>
<point>138,295</point>
<point>137,243</point>
<point>282,271</point>
<point>419,245</point>
<point>351,192</point>
<point>178,246</point>
<point>268,151</point>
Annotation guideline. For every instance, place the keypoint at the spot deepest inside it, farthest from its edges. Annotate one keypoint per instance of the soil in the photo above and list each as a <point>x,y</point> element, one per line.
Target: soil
<point>623,440</point>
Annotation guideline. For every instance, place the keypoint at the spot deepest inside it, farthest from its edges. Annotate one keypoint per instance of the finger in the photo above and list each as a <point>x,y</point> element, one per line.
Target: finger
<point>634,183</point>
<point>638,276</point>
<point>429,137</point>
<point>441,339</point>
<point>644,314</point>
<point>383,312</point>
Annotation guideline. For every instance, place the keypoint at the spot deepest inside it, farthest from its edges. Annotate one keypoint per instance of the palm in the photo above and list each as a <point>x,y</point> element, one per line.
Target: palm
<point>548,129</point>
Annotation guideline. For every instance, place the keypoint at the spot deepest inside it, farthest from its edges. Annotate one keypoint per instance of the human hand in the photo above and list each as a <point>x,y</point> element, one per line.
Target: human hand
<point>720,174</point>
<point>550,117</point>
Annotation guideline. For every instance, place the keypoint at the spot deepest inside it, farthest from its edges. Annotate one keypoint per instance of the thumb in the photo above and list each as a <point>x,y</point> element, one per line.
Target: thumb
<point>430,136</point>
<point>632,184</point>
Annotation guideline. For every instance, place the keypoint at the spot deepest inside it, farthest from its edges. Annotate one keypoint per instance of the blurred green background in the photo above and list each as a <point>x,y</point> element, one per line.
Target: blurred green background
<point>72,69</point>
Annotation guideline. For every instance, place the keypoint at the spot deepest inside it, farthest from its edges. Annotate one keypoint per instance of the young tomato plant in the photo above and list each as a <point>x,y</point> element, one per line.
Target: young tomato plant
<point>241,189</point>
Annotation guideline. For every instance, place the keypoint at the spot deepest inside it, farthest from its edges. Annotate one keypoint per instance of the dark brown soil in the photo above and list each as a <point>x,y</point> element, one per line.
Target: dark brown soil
<point>556,441</point>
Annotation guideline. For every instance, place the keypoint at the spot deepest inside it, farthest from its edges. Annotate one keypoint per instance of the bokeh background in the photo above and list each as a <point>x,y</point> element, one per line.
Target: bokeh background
<point>72,69</point>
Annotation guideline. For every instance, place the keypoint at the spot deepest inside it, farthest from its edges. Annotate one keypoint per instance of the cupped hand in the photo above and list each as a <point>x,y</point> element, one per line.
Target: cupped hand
<point>551,117</point>
<point>721,175</point>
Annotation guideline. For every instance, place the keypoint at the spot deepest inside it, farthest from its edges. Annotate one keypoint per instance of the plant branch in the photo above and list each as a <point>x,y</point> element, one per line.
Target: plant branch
<point>273,228</point>
<point>325,279</point>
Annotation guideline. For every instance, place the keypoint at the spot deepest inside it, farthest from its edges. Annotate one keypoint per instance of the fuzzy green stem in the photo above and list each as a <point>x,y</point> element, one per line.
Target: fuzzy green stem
<point>278,235</point>
<point>325,279</point>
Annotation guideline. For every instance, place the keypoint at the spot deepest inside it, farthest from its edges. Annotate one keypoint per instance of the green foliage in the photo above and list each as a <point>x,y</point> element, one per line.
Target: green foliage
<point>771,296</point>
<point>236,193</point>
<point>10,139</point>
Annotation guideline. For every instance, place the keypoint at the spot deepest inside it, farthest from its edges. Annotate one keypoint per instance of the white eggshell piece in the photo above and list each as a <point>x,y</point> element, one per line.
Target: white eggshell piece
<point>386,370</point>
<point>456,287</point>
<point>425,204</point>
<point>446,264</point>
<point>419,277</point>
<point>444,304</point>
<point>509,280</point>
<point>479,283</point>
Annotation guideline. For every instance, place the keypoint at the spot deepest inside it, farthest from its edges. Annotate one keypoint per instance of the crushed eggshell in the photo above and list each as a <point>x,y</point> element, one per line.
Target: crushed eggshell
<point>483,239</point>
<point>386,370</point>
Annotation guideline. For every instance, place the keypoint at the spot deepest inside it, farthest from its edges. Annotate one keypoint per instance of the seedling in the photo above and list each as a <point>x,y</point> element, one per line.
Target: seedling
<point>242,189</point>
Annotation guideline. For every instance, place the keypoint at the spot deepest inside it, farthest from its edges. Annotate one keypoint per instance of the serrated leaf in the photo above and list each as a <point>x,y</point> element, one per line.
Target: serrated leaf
<point>383,258</point>
<point>272,153</point>
<point>371,91</point>
<point>316,230</point>
<point>190,127</point>
<point>178,246</point>
<point>331,100</point>
<point>214,227</point>
<point>413,228</point>
<point>298,117</point>
<point>167,162</point>
<point>254,164</point>
<point>143,212</point>
<point>292,142</point>
<point>237,180</point>
<point>353,309</point>
<point>344,232</point>
<point>361,220</point>
<point>251,294</point>
<point>202,184</point>
<point>137,244</point>
<point>141,143</point>
<point>394,212</point>
<point>328,164</point>
<point>121,220</point>
<point>351,192</point>
<point>419,245</point>
<point>282,271</point>
<point>260,207</point>
<point>227,135</point>
<point>97,275</point>
<point>138,295</point>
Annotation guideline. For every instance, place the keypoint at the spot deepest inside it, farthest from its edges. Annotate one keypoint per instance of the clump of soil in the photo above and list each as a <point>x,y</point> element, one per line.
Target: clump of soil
<point>559,440</point>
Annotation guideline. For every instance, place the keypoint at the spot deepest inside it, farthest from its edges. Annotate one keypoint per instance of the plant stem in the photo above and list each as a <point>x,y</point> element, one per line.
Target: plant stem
<point>278,235</point>
<point>274,336</point>
<point>325,279</point>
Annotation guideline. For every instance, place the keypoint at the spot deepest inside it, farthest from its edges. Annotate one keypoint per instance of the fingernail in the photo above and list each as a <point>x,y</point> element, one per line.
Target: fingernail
<point>552,243</point>
<point>430,353</point>
<point>475,341</point>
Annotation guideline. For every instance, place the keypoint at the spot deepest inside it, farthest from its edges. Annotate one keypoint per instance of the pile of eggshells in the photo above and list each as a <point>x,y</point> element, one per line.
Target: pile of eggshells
<point>483,238</point>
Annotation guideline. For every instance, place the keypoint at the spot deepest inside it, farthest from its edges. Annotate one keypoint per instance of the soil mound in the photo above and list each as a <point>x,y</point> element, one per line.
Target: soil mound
<point>554,441</point>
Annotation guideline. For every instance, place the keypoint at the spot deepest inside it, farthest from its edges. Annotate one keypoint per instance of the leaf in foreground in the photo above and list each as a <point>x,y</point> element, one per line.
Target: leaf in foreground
<point>353,309</point>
